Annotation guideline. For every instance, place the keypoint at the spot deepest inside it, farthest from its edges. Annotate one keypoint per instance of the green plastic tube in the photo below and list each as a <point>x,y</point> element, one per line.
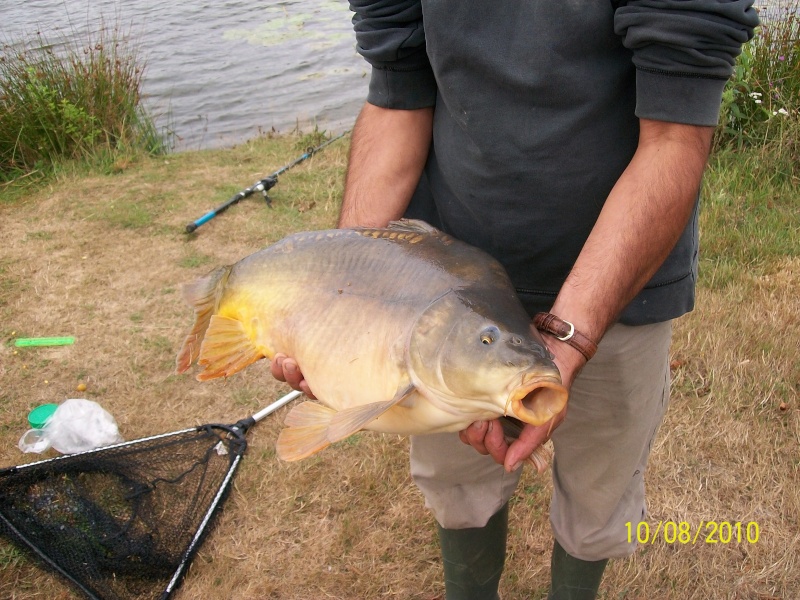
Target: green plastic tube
<point>44,341</point>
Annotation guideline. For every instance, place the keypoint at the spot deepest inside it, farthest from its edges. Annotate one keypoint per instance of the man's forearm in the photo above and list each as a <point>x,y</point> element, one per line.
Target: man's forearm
<point>639,225</point>
<point>387,154</point>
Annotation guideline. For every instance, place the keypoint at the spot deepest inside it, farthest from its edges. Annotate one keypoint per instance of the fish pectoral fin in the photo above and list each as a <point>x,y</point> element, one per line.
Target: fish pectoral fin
<point>347,422</point>
<point>295,443</point>
<point>309,414</point>
<point>226,349</point>
<point>306,432</point>
<point>312,427</point>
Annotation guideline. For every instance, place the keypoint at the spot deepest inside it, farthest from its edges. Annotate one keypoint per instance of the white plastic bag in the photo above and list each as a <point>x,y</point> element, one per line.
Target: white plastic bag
<point>77,425</point>
<point>34,440</point>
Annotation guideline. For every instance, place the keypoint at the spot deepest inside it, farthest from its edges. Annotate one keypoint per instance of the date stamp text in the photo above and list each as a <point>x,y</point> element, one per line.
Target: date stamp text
<point>682,532</point>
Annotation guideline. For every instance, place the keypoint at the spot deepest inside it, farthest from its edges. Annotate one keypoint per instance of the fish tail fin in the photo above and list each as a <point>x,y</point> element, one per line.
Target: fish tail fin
<point>540,459</point>
<point>201,295</point>
<point>306,431</point>
<point>226,349</point>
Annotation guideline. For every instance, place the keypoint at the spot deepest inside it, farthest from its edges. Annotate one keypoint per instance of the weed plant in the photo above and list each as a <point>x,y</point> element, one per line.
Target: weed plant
<point>67,100</point>
<point>761,103</point>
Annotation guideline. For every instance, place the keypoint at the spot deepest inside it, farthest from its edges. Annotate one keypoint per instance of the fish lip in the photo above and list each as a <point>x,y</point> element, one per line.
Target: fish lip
<point>537,399</point>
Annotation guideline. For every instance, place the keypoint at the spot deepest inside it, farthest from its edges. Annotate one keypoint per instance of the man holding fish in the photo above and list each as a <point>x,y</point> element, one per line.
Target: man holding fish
<point>568,140</point>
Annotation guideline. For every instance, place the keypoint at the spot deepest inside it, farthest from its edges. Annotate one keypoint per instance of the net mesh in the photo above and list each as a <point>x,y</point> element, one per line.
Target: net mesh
<point>122,522</point>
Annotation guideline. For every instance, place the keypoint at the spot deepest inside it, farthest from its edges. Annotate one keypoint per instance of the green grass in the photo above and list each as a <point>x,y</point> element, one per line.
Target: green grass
<point>761,103</point>
<point>7,281</point>
<point>127,214</point>
<point>63,101</point>
<point>194,260</point>
<point>754,221</point>
<point>10,556</point>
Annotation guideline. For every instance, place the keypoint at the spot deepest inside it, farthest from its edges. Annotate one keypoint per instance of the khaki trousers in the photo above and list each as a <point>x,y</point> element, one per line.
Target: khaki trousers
<point>601,449</point>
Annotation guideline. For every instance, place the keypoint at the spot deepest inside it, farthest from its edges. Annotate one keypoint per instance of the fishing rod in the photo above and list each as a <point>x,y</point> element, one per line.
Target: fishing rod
<point>262,186</point>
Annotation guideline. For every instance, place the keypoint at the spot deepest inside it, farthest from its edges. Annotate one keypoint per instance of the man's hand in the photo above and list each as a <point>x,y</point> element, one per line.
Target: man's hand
<point>487,437</point>
<point>286,369</point>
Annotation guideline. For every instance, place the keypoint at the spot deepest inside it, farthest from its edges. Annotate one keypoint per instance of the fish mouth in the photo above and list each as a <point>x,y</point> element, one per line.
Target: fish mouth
<point>538,399</point>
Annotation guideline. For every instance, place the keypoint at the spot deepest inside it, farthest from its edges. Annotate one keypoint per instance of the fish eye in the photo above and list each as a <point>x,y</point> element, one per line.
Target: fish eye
<point>489,335</point>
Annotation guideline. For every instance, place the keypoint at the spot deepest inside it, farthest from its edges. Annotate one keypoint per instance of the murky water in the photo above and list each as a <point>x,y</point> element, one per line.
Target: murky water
<point>221,72</point>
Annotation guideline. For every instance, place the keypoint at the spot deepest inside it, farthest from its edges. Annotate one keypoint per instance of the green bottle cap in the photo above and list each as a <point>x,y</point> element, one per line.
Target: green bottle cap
<point>41,414</point>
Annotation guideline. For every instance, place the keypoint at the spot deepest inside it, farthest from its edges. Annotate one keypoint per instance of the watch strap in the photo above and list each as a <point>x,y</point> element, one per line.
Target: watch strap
<point>565,332</point>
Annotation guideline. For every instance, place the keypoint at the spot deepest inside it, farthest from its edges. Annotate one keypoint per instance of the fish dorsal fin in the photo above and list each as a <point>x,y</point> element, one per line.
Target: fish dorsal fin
<point>307,431</point>
<point>408,231</point>
<point>201,295</point>
<point>347,422</point>
<point>419,228</point>
<point>412,225</point>
<point>226,349</point>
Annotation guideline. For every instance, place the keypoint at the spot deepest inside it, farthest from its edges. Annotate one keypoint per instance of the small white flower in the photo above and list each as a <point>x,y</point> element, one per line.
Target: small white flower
<point>783,111</point>
<point>757,101</point>
<point>755,94</point>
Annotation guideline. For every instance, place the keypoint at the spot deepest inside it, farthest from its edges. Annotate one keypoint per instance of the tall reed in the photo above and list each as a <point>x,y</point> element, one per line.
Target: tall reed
<point>761,104</point>
<point>66,100</point>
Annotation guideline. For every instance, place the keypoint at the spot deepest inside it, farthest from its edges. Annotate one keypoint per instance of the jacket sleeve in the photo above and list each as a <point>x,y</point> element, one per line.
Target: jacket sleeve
<point>684,52</point>
<point>391,37</point>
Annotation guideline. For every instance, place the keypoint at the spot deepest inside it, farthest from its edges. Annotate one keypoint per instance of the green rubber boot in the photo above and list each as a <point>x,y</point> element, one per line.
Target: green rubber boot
<point>572,578</point>
<point>473,559</point>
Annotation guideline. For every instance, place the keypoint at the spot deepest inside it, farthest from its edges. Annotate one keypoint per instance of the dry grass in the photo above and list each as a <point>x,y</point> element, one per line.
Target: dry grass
<point>102,258</point>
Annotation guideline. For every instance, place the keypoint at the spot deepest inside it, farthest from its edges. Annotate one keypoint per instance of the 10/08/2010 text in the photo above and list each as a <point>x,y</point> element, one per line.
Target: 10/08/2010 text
<point>682,532</point>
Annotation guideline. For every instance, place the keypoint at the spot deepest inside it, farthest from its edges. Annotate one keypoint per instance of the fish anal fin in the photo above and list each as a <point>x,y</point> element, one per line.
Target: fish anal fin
<point>201,294</point>
<point>345,423</point>
<point>226,349</point>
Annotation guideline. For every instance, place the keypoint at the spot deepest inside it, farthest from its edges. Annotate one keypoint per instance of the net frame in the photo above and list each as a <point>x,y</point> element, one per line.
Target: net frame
<point>235,446</point>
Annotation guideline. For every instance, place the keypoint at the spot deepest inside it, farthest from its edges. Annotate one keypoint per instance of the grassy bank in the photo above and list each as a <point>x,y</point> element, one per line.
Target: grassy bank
<point>65,101</point>
<point>102,257</point>
<point>761,103</point>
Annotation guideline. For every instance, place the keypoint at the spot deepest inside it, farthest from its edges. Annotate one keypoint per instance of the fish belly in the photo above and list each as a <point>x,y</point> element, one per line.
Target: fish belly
<point>417,415</point>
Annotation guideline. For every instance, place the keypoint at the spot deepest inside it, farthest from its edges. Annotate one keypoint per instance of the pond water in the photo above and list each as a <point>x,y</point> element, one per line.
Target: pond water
<point>218,73</point>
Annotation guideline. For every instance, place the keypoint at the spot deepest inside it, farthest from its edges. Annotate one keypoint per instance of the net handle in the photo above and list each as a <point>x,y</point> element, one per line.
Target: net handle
<point>279,403</point>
